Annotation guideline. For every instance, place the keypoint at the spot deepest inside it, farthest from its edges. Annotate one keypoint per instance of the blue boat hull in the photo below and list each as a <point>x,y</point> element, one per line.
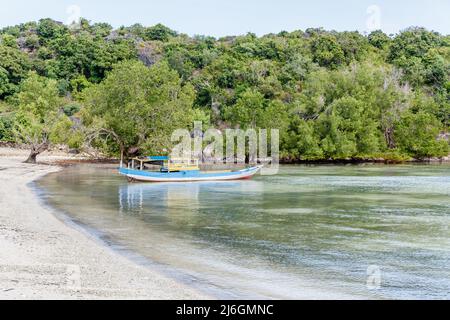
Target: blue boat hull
<point>187,176</point>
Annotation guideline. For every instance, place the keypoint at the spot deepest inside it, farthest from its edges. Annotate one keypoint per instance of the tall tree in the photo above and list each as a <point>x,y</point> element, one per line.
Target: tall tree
<point>138,107</point>
<point>38,113</point>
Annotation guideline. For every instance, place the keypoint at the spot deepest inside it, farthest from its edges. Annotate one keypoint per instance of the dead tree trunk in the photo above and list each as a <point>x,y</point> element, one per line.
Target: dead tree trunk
<point>35,151</point>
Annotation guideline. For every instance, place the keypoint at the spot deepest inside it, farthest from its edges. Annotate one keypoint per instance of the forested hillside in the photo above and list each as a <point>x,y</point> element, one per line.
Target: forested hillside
<point>333,95</point>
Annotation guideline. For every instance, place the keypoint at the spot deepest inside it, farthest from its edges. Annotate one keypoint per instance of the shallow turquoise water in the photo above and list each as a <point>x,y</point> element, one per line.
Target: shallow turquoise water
<point>308,232</point>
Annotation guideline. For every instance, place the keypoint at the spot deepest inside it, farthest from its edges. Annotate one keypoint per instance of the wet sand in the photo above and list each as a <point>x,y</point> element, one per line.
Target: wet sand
<point>43,258</point>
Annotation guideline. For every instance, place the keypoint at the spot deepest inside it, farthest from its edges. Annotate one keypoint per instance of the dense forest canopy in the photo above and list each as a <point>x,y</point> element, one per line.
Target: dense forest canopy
<point>333,95</point>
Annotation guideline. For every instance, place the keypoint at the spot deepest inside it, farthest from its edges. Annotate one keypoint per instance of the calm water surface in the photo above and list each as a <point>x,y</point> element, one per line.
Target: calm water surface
<point>308,232</point>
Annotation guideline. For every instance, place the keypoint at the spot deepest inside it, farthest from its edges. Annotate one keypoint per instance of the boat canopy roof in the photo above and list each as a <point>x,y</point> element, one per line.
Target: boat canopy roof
<point>158,158</point>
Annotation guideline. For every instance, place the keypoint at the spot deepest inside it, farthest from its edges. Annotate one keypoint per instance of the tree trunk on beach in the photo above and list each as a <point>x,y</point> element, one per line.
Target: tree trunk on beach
<point>35,151</point>
<point>31,158</point>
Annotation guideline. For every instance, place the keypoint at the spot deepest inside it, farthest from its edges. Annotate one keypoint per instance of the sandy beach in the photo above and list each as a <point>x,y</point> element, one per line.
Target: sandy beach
<point>43,258</point>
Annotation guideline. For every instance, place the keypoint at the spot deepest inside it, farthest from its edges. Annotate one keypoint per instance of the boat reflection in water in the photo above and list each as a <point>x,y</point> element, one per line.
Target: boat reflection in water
<point>162,196</point>
<point>173,197</point>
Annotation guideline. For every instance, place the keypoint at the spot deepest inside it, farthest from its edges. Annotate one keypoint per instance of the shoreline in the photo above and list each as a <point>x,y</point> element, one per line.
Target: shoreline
<point>367,161</point>
<point>72,159</point>
<point>45,258</point>
<point>208,290</point>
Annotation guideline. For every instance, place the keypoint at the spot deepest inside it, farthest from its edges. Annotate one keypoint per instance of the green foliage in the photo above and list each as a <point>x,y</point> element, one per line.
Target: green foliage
<point>48,30</point>
<point>436,69</point>
<point>302,141</point>
<point>38,118</point>
<point>179,59</point>
<point>9,41</point>
<point>159,32</point>
<point>14,66</point>
<point>417,135</point>
<point>64,132</point>
<point>417,52</point>
<point>61,131</point>
<point>332,94</point>
<point>139,107</point>
<point>38,96</point>
<point>85,56</point>
<point>413,42</point>
<point>71,109</point>
<point>297,68</point>
<point>247,110</point>
<point>379,39</point>
<point>78,84</point>
<point>353,44</point>
<point>327,52</point>
<point>355,113</point>
<point>6,128</point>
<point>202,116</point>
<point>100,30</point>
<point>349,130</point>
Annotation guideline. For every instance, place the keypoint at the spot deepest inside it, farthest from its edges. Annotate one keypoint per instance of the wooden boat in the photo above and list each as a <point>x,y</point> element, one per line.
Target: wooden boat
<point>179,170</point>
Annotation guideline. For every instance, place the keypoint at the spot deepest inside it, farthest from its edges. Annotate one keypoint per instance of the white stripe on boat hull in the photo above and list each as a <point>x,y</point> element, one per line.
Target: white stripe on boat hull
<point>237,176</point>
